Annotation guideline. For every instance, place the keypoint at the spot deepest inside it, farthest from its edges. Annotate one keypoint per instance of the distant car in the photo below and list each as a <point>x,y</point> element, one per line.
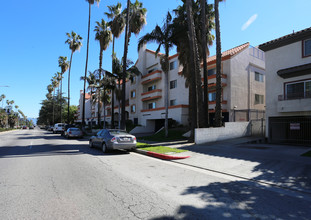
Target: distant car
<point>59,128</point>
<point>73,132</point>
<point>30,127</point>
<point>24,127</point>
<point>66,128</point>
<point>49,128</point>
<point>113,139</point>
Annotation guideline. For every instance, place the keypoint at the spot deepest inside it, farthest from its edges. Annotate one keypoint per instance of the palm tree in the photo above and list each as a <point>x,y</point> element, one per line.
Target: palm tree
<point>131,72</point>
<point>135,20</point>
<point>91,80</point>
<point>91,2</point>
<point>2,97</point>
<point>163,37</point>
<point>74,42</point>
<point>64,65</point>
<point>117,25</point>
<point>54,84</point>
<point>218,112</point>
<point>104,36</point>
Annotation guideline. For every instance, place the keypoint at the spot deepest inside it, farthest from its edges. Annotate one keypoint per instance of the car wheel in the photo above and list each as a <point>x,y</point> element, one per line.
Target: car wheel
<point>104,148</point>
<point>91,144</point>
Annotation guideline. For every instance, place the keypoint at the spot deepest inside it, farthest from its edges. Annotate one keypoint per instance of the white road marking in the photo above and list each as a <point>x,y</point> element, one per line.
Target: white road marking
<point>30,145</point>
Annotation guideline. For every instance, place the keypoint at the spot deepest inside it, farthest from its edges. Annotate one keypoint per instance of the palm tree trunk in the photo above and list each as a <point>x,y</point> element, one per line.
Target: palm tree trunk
<point>218,116</point>
<point>194,123</point>
<point>104,106</point>
<point>205,76</point>
<point>61,99</point>
<point>166,91</point>
<point>98,99</point>
<point>127,28</point>
<point>53,106</point>
<point>119,115</point>
<point>68,108</point>
<point>112,91</point>
<point>85,72</point>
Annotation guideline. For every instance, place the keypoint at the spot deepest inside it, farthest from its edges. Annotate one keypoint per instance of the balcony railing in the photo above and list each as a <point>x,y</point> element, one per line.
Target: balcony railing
<point>292,96</point>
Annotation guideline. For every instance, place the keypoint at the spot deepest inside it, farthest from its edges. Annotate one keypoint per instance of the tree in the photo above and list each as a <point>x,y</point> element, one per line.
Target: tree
<point>64,65</point>
<point>131,72</point>
<point>163,37</point>
<point>117,25</point>
<point>91,80</point>
<point>91,2</point>
<point>218,111</point>
<point>104,36</point>
<point>181,40</point>
<point>135,20</point>
<point>75,42</point>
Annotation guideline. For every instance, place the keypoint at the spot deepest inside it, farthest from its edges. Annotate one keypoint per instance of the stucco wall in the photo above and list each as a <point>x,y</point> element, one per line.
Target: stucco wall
<point>277,59</point>
<point>231,130</point>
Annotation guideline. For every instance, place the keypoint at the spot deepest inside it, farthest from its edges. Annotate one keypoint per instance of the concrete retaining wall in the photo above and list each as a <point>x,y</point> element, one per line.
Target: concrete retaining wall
<point>141,130</point>
<point>231,130</point>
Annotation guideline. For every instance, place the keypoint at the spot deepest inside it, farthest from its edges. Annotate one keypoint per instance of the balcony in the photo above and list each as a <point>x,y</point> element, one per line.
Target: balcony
<point>151,77</point>
<point>298,102</point>
<point>151,95</point>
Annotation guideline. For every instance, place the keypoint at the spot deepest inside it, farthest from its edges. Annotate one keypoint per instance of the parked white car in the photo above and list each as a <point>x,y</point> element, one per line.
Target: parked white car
<point>59,128</point>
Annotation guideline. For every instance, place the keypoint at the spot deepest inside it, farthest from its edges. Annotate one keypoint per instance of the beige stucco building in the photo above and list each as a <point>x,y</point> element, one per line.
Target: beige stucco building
<point>243,89</point>
<point>288,70</point>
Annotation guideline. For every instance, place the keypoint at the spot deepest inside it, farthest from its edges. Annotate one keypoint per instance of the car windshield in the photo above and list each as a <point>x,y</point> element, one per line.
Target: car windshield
<point>118,132</point>
<point>74,129</point>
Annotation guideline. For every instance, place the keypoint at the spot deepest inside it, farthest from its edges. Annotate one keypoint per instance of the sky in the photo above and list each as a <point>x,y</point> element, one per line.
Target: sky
<point>33,35</point>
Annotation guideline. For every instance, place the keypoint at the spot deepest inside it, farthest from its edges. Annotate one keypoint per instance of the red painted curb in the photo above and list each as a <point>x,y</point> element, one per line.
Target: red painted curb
<point>166,157</point>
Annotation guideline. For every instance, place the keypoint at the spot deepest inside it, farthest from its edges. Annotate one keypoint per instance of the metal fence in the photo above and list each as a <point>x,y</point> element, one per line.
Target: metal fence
<point>290,130</point>
<point>258,127</point>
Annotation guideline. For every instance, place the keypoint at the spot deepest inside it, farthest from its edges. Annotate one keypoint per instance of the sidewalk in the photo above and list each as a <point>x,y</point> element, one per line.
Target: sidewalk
<point>279,165</point>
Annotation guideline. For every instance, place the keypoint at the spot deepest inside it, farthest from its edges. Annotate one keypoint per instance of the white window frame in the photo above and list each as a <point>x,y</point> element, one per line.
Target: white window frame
<point>304,46</point>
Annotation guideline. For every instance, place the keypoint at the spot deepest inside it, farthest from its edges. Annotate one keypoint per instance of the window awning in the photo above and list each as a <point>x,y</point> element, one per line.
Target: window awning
<point>295,71</point>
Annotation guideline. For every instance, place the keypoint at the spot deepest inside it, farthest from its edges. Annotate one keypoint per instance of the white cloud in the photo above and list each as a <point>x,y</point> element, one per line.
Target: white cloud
<point>249,22</point>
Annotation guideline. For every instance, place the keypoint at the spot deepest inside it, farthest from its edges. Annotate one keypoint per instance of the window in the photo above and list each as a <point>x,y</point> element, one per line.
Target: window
<point>133,94</point>
<point>298,90</point>
<point>150,88</point>
<point>212,96</point>
<point>173,102</point>
<point>306,47</point>
<point>259,99</point>
<point>152,105</point>
<point>173,84</point>
<point>133,108</point>
<point>173,65</point>
<point>211,72</point>
<point>258,77</point>
<point>150,71</point>
<point>133,79</point>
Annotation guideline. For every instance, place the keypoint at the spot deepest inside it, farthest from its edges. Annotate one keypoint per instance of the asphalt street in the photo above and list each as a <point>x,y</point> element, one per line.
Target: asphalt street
<point>44,176</point>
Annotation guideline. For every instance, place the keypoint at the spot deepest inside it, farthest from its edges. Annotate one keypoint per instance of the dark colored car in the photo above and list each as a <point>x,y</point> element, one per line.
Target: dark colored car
<point>24,127</point>
<point>113,139</point>
<point>73,132</point>
<point>31,127</point>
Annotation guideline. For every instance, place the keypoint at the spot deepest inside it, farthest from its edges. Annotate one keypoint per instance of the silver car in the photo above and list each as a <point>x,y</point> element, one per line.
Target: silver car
<point>113,139</point>
<point>73,132</point>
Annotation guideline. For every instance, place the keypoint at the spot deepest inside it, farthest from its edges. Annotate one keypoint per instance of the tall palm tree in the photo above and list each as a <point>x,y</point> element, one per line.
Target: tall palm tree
<point>131,72</point>
<point>117,25</point>
<point>91,2</point>
<point>64,65</point>
<point>218,111</point>
<point>75,42</point>
<point>204,51</point>
<point>2,97</point>
<point>135,20</point>
<point>163,37</point>
<point>194,64</point>
<point>104,36</point>
<point>54,83</point>
<point>91,80</point>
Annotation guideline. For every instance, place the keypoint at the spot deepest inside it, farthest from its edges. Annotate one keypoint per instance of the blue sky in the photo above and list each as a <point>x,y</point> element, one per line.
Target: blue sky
<point>33,35</point>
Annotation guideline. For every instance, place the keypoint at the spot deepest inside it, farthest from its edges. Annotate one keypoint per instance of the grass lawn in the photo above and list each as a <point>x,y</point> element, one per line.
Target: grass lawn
<point>6,129</point>
<point>307,154</point>
<point>173,135</point>
<point>158,149</point>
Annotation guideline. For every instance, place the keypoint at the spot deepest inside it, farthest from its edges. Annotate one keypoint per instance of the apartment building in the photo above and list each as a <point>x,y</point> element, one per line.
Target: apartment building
<point>288,70</point>
<point>243,88</point>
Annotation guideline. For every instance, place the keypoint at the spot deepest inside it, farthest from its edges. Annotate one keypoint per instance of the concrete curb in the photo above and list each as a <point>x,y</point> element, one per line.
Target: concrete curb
<point>161,156</point>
